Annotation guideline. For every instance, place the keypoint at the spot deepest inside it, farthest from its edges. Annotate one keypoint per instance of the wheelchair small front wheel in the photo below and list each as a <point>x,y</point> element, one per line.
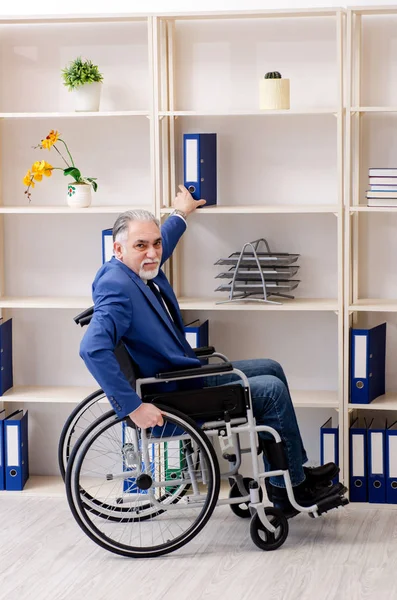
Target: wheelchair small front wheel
<point>242,510</point>
<point>265,539</point>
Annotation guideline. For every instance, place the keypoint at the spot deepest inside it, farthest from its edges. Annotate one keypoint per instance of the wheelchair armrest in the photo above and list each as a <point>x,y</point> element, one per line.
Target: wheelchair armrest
<point>85,317</point>
<point>199,371</point>
<point>204,351</point>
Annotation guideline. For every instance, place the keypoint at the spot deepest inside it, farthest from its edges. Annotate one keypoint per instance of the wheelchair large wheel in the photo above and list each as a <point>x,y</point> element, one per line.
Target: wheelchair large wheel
<point>116,462</point>
<point>80,421</point>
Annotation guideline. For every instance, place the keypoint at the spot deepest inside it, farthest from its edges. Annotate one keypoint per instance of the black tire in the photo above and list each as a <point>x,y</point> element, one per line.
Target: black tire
<point>73,423</point>
<point>242,510</point>
<point>265,539</point>
<point>82,508</point>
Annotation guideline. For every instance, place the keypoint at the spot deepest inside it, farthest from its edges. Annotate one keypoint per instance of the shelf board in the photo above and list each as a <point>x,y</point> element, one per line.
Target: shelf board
<point>40,485</point>
<point>309,304</point>
<point>65,210</point>
<point>386,402</point>
<point>315,399</point>
<point>369,209</point>
<point>373,109</point>
<point>49,394</point>
<point>374,305</point>
<point>73,115</point>
<point>375,10</point>
<point>249,14</point>
<point>73,395</point>
<point>248,113</point>
<point>45,302</point>
<point>70,18</point>
<point>260,208</point>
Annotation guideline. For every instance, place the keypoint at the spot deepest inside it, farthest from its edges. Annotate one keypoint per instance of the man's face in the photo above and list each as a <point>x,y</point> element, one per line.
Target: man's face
<point>143,250</point>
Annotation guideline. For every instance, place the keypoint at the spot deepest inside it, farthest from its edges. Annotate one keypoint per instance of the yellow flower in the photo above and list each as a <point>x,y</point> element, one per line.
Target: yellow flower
<point>41,167</point>
<point>50,140</point>
<point>27,178</point>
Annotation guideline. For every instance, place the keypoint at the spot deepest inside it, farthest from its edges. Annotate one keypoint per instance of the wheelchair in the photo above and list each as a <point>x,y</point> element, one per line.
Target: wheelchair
<point>145,493</point>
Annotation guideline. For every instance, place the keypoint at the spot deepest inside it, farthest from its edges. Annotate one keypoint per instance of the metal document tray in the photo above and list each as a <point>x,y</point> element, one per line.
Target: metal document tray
<point>253,274</point>
<point>267,259</point>
<point>272,287</point>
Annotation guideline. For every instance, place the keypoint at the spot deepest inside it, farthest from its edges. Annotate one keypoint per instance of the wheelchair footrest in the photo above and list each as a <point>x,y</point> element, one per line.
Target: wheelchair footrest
<point>330,502</point>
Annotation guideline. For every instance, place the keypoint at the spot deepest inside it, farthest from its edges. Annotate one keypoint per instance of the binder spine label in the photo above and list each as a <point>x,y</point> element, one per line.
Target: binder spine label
<point>360,356</point>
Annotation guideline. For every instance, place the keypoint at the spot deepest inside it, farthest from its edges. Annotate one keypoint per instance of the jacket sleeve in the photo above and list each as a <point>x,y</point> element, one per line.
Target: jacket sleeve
<point>111,319</point>
<point>171,232</point>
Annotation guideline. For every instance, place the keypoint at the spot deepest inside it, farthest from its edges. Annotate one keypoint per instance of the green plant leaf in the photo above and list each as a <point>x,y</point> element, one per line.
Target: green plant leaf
<point>93,183</point>
<point>80,73</point>
<point>73,172</point>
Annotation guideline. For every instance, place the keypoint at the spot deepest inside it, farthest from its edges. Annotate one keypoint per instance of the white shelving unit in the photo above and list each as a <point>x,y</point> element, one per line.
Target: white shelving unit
<point>370,285</point>
<point>297,199</point>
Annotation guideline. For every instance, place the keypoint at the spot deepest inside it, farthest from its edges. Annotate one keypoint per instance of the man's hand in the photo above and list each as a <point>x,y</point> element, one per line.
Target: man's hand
<point>147,415</point>
<point>185,202</point>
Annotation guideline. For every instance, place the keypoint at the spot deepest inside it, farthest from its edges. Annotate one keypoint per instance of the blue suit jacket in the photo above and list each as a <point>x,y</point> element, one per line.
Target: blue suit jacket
<point>126,309</point>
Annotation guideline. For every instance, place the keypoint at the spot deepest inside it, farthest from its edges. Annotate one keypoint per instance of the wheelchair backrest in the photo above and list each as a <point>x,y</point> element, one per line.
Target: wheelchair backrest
<point>127,365</point>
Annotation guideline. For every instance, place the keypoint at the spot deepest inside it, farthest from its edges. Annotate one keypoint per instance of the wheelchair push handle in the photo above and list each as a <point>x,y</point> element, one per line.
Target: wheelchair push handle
<point>85,317</point>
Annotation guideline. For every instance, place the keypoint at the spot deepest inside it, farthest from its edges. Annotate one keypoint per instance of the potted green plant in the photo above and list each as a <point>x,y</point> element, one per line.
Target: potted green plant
<point>84,80</point>
<point>274,92</point>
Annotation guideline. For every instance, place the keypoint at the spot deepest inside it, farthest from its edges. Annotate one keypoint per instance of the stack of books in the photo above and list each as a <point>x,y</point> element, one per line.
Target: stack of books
<point>382,187</point>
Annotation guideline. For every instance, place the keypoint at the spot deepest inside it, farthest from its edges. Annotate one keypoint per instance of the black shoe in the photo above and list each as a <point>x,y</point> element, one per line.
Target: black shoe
<point>304,494</point>
<point>321,476</point>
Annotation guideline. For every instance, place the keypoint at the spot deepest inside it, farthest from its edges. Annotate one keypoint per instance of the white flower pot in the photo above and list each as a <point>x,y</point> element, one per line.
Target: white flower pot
<point>79,195</point>
<point>274,94</point>
<point>87,97</point>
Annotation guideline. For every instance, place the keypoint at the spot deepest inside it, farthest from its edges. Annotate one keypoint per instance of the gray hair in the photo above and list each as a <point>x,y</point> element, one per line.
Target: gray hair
<point>121,226</point>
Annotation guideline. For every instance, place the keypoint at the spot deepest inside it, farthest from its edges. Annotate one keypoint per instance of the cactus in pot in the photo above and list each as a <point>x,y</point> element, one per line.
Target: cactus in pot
<point>274,92</point>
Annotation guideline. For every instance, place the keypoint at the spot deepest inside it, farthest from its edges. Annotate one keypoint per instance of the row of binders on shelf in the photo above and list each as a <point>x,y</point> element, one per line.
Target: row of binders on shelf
<point>373,460</point>
<point>382,187</point>
<point>14,457</point>
<point>256,275</point>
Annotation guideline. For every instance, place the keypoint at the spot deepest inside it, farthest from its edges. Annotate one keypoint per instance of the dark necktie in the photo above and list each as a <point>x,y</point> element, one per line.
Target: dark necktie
<point>164,305</point>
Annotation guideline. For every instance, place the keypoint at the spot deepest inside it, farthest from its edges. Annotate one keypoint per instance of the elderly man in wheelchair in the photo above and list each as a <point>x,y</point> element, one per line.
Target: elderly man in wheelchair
<point>143,479</point>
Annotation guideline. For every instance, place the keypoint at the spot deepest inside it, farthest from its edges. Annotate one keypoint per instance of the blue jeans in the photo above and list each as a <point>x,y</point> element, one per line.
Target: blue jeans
<point>272,406</point>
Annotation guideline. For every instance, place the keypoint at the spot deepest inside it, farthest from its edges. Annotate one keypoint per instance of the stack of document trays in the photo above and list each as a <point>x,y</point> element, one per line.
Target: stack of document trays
<point>255,275</point>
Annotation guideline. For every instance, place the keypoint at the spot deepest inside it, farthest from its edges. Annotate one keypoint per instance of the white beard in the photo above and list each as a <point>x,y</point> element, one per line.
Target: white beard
<point>145,274</point>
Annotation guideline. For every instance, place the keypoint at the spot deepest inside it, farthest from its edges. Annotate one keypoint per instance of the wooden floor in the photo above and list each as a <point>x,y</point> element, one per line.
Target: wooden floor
<point>348,554</point>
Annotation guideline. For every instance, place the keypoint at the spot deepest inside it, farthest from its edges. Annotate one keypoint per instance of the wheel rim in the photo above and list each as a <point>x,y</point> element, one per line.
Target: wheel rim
<point>141,530</point>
